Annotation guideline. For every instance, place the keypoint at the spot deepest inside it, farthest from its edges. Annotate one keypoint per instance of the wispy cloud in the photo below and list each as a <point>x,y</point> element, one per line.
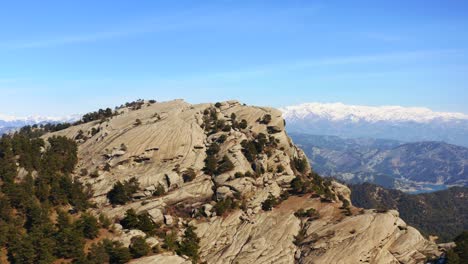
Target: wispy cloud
<point>152,27</point>
<point>297,65</point>
<point>238,19</point>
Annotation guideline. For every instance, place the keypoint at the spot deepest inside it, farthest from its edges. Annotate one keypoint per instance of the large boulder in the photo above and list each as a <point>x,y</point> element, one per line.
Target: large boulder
<point>126,236</point>
<point>156,215</point>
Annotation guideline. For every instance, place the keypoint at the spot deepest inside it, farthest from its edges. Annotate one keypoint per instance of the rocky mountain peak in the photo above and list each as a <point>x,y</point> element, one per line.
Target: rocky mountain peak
<point>231,171</point>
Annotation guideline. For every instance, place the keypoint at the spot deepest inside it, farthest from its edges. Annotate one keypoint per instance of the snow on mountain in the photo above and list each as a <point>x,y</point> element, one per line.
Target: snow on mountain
<point>389,122</point>
<point>9,123</point>
<point>340,112</point>
<point>38,119</point>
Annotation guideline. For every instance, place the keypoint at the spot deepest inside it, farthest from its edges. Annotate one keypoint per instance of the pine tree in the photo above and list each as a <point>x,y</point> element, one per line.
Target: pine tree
<point>130,221</point>
<point>98,254</point>
<point>190,244</point>
<point>21,250</point>
<point>88,225</point>
<point>139,248</point>
<point>117,195</point>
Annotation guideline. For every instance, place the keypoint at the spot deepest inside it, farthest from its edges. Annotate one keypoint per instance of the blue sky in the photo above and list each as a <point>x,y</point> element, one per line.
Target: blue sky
<point>64,57</point>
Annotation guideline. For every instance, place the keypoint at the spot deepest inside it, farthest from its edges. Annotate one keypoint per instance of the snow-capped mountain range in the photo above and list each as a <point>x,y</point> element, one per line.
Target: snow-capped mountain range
<point>8,122</point>
<point>390,122</point>
<point>356,113</point>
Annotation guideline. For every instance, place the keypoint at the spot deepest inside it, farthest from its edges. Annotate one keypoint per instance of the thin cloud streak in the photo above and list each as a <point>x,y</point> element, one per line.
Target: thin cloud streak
<point>132,28</point>
<point>86,38</point>
<point>311,63</point>
<point>189,19</point>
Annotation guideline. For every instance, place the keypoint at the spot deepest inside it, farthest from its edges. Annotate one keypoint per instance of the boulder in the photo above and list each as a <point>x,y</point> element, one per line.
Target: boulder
<point>174,180</point>
<point>127,235</point>
<point>156,215</point>
<point>139,195</point>
<point>206,208</point>
<point>168,220</point>
<point>223,192</point>
<point>152,241</point>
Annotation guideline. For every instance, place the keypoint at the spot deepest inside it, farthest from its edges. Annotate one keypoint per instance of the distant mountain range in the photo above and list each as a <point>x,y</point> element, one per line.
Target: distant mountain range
<point>10,123</point>
<point>408,124</point>
<point>442,213</point>
<point>411,167</point>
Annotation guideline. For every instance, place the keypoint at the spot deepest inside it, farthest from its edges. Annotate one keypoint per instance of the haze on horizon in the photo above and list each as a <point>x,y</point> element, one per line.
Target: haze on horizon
<point>62,58</point>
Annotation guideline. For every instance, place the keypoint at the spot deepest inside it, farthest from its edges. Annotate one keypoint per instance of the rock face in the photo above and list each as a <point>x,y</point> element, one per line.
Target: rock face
<point>264,238</point>
<point>367,238</point>
<point>255,163</point>
<point>162,259</point>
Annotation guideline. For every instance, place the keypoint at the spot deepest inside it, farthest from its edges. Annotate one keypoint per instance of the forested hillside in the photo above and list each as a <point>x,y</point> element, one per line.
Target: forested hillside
<point>442,213</point>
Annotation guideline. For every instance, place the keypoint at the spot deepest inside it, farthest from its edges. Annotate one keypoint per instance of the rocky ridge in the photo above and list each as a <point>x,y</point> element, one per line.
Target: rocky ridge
<point>169,144</point>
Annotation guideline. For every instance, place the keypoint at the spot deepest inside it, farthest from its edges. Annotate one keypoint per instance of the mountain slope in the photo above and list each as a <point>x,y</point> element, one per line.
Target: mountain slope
<point>392,122</point>
<point>442,213</point>
<point>408,166</point>
<point>232,172</point>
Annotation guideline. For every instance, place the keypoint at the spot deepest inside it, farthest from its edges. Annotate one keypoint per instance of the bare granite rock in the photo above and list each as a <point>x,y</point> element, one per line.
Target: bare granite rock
<point>171,139</point>
<point>161,259</point>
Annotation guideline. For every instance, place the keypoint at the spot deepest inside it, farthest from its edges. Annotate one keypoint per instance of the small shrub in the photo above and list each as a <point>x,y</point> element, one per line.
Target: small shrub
<point>249,174</point>
<point>298,186</point>
<point>141,221</point>
<point>328,197</point>
<point>80,135</point>
<point>213,149</point>
<point>189,175</point>
<point>137,122</point>
<point>94,174</point>
<point>280,168</point>
<point>300,237</point>
<point>269,203</point>
<point>104,221</point>
<point>346,203</point>
<point>170,241</point>
<point>121,193</point>
<point>249,149</point>
<point>238,175</point>
<point>266,119</point>
<point>123,147</point>
<point>221,139</point>
<point>83,172</point>
<point>138,247</point>
<point>224,206</point>
<point>130,221</point>
<point>94,131</point>
<point>243,124</point>
<point>160,191</point>
<point>309,213</point>
<point>225,165</point>
<point>211,164</point>
<point>300,164</point>
<point>220,124</point>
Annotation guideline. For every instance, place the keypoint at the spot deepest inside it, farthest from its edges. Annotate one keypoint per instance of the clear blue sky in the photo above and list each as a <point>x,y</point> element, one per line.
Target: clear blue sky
<point>63,57</point>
